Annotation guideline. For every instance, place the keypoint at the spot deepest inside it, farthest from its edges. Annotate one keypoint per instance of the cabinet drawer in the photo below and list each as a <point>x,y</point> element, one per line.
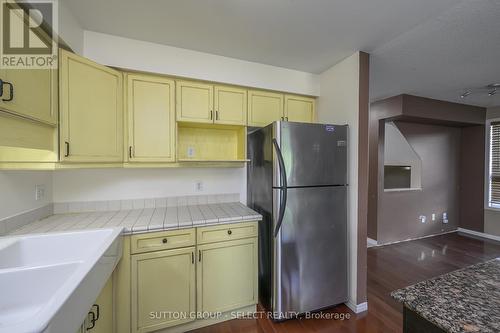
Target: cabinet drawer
<point>163,240</point>
<point>226,232</point>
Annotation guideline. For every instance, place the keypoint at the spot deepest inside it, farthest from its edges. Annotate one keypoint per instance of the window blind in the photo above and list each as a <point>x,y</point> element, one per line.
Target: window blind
<point>495,164</point>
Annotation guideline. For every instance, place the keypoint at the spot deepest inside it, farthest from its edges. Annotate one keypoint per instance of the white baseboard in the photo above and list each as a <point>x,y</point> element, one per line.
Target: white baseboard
<point>416,238</point>
<point>479,234</point>
<point>357,308</point>
<point>371,242</point>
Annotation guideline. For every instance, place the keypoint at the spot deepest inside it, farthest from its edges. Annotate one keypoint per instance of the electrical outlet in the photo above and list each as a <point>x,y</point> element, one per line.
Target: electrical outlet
<point>190,152</point>
<point>198,186</point>
<point>422,218</point>
<point>39,192</point>
<point>433,217</point>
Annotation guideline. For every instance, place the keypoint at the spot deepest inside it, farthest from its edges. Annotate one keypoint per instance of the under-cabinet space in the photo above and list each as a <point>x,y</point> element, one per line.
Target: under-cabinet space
<point>206,143</point>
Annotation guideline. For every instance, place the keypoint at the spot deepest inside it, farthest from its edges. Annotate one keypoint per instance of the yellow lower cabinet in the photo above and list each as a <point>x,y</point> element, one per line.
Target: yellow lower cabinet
<point>103,311</point>
<point>227,275</point>
<point>163,289</point>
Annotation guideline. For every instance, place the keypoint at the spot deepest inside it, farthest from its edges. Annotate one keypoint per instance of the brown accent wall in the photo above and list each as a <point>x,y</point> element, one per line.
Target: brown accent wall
<point>379,111</point>
<point>472,168</point>
<point>431,112</point>
<point>398,212</point>
<point>363,161</point>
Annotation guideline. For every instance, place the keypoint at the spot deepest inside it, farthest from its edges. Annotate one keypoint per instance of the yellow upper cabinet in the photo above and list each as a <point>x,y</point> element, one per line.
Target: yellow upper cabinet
<point>264,107</point>
<point>151,118</point>
<point>91,112</point>
<point>30,93</point>
<point>194,102</point>
<point>230,105</point>
<point>299,109</point>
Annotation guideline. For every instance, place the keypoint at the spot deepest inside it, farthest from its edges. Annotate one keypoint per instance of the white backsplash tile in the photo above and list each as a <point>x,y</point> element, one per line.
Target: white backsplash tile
<point>60,207</point>
<point>117,205</point>
<point>160,202</point>
<point>127,204</point>
<point>149,203</point>
<point>114,205</point>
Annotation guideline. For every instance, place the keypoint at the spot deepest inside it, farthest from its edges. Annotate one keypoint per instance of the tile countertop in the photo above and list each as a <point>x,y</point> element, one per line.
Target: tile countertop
<point>145,219</point>
<point>466,300</point>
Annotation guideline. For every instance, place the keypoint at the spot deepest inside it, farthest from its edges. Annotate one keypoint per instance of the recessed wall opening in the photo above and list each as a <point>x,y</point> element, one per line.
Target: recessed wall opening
<point>402,165</point>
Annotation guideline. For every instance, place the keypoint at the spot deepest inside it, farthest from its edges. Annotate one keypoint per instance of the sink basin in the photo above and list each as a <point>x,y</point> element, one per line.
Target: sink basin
<point>47,249</point>
<point>48,282</point>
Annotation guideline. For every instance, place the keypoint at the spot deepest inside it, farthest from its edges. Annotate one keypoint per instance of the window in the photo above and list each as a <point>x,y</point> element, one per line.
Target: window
<point>494,174</point>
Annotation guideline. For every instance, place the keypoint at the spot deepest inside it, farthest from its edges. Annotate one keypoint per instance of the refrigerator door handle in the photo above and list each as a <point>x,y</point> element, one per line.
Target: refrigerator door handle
<point>283,187</point>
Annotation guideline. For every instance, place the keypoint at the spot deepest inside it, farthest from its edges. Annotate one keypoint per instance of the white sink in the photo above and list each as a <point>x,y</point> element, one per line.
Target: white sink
<point>48,282</point>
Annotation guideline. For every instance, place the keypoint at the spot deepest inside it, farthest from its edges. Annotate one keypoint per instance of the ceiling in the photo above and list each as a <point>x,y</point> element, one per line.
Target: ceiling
<point>433,48</point>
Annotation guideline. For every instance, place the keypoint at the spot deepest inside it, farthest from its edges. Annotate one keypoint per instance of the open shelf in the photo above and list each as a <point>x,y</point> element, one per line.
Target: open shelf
<point>211,143</point>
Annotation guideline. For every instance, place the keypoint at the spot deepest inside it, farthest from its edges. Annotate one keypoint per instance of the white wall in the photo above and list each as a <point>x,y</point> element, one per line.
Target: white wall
<point>150,57</point>
<point>491,217</point>
<point>397,151</point>
<point>70,30</point>
<point>339,104</point>
<point>110,184</point>
<point>17,191</point>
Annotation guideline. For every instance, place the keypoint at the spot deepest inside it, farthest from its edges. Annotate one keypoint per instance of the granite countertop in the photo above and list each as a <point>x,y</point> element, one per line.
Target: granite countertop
<point>466,300</point>
<point>145,219</point>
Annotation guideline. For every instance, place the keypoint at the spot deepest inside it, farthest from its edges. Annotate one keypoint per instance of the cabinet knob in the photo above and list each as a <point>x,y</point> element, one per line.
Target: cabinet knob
<point>229,232</point>
<point>164,241</point>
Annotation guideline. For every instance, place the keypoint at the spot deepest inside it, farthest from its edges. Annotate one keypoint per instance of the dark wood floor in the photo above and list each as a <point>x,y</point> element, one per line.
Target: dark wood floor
<point>389,267</point>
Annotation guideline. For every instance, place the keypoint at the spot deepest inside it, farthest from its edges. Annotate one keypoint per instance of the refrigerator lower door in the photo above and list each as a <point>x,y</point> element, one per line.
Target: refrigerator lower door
<point>310,251</point>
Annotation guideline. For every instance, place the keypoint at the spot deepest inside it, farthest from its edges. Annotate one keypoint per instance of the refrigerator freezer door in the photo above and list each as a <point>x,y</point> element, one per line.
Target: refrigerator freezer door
<point>314,154</point>
<point>310,251</point>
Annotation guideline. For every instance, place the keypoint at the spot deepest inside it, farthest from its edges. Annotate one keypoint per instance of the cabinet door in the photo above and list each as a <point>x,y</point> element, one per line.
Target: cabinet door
<point>299,109</point>
<point>264,108</point>
<point>105,303</point>
<point>34,93</point>
<point>151,118</point>
<point>91,111</point>
<point>163,289</point>
<point>194,102</point>
<point>230,105</point>
<point>227,275</point>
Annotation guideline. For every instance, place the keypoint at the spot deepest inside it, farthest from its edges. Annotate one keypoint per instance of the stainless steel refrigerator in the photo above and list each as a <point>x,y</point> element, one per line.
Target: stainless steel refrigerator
<point>297,180</point>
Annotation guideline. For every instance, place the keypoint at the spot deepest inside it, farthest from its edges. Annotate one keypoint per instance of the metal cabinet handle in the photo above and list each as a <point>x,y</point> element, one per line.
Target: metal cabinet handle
<point>192,257</point>
<point>91,314</point>
<point>93,320</point>
<point>1,87</point>
<point>130,151</point>
<point>211,115</point>
<point>67,148</point>
<point>199,255</point>
<point>217,115</point>
<point>97,310</point>
<point>286,118</point>
<point>11,88</point>
<point>164,241</point>
<point>229,232</point>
